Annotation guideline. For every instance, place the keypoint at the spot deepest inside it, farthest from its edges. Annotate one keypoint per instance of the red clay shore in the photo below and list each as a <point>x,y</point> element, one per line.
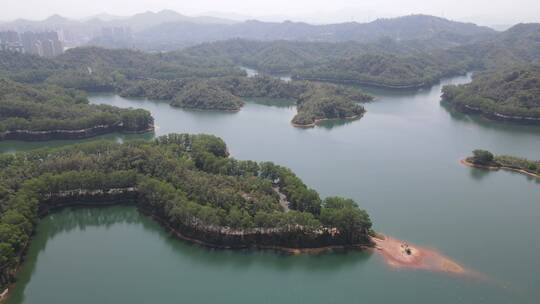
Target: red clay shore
<point>400,254</point>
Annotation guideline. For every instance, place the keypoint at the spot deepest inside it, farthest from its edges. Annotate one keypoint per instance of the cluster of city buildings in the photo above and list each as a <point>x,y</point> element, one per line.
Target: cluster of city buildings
<point>116,33</point>
<point>46,44</point>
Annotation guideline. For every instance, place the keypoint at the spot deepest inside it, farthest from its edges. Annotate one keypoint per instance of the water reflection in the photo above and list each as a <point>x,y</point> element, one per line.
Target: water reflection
<point>478,173</point>
<point>12,146</point>
<point>273,102</point>
<point>335,123</point>
<point>86,218</point>
<point>499,126</point>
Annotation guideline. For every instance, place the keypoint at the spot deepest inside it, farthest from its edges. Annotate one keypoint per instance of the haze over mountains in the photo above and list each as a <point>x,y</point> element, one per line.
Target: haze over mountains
<point>402,28</point>
<point>167,30</point>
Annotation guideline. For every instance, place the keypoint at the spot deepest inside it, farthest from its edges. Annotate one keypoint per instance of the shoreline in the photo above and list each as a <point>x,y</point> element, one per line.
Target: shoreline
<point>30,136</point>
<point>396,253</point>
<point>319,120</point>
<point>366,83</point>
<point>208,110</point>
<point>288,250</point>
<point>467,163</point>
<point>180,236</point>
<point>492,116</point>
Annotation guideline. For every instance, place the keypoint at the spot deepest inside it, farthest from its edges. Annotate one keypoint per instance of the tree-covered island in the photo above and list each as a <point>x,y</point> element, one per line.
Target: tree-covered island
<point>186,182</point>
<point>324,101</point>
<point>485,159</point>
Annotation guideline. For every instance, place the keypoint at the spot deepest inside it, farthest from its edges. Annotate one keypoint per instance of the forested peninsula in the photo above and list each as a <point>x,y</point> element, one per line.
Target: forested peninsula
<point>509,95</point>
<point>188,183</point>
<point>46,112</point>
<point>486,160</point>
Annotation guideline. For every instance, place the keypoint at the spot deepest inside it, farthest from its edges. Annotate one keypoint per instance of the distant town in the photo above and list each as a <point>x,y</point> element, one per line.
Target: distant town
<point>45,44</point>
<point>53,42</point>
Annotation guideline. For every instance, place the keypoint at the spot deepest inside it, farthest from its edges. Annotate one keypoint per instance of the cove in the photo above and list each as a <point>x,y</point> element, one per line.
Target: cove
<point>140,263</point>
<point>400,162</point>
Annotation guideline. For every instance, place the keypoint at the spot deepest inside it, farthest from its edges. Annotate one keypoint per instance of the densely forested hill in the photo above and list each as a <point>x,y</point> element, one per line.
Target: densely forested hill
<point>101,69</point>
<point>187,182</point>
<point>14,61</point>
<point>288,56</point>
<point>384,63</point>
<point>518,45</point>
<point>137,64</point>
<point>51,112</point>
<point>384,70</point>
<point>507,94</point>
<point>26,67</point>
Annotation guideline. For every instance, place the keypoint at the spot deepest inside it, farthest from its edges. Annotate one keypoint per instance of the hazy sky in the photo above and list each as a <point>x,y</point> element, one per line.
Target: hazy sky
<point>483,11</point>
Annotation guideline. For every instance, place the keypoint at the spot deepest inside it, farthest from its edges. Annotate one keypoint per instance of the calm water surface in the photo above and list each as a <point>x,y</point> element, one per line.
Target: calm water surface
<point>400,162</point>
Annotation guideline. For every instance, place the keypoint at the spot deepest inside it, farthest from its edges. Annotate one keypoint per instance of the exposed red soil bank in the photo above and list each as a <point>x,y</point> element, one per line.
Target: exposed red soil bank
<point>400,254</point>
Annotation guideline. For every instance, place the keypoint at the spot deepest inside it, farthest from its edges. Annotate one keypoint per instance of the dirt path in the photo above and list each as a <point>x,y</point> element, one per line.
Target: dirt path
<point>282,199</point>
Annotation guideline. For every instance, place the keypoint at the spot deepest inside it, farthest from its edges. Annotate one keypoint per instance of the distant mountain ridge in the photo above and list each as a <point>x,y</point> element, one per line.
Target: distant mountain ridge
<point>137,22</point>
<point>168,30</point>
<point>411,27</point>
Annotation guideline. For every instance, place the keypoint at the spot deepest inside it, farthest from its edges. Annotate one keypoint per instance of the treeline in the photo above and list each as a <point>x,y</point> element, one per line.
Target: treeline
<point>46,108</point>
<point>92,68</point>
<point>505,94</point>
<point>186,181</point>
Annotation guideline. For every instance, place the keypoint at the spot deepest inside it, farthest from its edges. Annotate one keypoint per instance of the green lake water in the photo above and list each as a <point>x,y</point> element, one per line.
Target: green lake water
<point>400,162</point>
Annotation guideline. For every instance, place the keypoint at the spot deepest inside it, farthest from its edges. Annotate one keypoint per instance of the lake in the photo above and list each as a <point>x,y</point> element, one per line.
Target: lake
<point>400,162</point>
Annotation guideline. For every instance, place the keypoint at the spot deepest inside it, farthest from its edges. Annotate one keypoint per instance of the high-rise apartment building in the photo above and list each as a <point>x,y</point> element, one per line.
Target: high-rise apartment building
<point>45,44</point>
